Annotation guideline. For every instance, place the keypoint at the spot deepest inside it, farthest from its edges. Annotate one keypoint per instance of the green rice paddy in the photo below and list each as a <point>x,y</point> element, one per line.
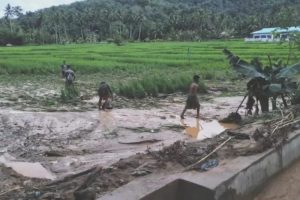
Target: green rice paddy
<point>156,67</point>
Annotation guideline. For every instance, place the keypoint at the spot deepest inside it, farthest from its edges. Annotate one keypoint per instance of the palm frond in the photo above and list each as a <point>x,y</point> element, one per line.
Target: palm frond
<point>289,72</point>
<point>248,71</point>
<point>242,66</point>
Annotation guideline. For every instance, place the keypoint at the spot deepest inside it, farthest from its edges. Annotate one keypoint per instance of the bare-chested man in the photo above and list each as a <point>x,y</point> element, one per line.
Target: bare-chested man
<point>105,94</point>
<point>192,101</point>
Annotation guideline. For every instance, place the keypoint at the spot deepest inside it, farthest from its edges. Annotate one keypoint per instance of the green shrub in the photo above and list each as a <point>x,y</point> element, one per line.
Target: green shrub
<point>153,85</point>
<point>208,75</point>
<point>69,93</point>
<point>150,87</point>
<point>126,90</point>
<point>118,40</point>
<point>139,91</point>
<point>6,37</point>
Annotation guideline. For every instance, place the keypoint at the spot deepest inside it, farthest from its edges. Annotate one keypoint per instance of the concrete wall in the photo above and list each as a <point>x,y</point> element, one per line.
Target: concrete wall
<point>238,179</point>
<point>250,180</point>
<point>181,190</point>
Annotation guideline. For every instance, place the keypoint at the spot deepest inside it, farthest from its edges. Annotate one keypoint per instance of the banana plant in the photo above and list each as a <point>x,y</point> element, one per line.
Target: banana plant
<point>265,82</point>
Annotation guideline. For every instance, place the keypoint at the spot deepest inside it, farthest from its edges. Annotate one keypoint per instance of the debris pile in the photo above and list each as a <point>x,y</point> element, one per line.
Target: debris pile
<point>258,137</point>
<point>233,117</point>
<point>185,153</point>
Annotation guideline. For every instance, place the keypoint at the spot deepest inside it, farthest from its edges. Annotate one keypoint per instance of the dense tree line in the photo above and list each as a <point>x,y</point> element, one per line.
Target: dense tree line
<point>99,20</point>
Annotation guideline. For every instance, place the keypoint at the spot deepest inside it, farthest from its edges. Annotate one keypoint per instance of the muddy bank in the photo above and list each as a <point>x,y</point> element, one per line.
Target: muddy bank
<point>95,152</point>
<point>44,93</point>
<point>12,184</point>
<point>66,143</point>
<point>97,181</point>
<point>94,180</point>
<point>175,158</point>
<point>69,142</point>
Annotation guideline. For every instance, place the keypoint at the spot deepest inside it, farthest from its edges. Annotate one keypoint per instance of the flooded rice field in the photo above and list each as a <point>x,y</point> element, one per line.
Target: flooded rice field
<point>68,142</point>
<point>43,139</point>
<point>59,155</point>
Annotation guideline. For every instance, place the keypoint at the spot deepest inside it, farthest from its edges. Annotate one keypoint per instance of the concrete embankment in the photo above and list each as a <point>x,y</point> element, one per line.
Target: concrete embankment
<point>238,178</point>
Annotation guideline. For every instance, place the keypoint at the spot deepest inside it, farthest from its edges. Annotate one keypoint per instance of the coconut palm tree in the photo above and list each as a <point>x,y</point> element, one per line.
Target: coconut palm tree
<point>9,13</point>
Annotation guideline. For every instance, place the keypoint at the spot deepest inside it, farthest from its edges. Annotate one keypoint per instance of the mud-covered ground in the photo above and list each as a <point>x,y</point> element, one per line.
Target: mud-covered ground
<point>78,152</point>
<point>43,93</point>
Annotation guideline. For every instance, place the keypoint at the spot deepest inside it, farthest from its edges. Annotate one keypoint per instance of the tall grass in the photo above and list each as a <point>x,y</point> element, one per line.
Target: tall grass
<point>69,94</point>
<point>153,85</point>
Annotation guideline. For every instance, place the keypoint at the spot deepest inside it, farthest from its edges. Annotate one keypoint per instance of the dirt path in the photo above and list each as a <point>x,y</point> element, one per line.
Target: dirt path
<point>284,186</point>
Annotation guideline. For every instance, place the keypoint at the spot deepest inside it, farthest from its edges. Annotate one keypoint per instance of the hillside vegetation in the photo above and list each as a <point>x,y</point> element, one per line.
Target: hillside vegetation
<point>117,20</point>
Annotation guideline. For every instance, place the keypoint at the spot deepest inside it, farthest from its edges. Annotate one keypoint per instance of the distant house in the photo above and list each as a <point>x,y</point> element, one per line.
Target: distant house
<point>271,34</point>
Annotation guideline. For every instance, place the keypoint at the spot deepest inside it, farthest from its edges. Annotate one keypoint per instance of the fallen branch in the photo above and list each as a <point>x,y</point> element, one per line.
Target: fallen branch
<point>89,179</point>
<point>291,123</point>
<point>275,129</point>
<point>71,177</point>
<point>16,188</point>
<point>281,123</point>
<point>142,141</point>
<point>285,119</point>
<point>190,167</point>
<point>284,125</point>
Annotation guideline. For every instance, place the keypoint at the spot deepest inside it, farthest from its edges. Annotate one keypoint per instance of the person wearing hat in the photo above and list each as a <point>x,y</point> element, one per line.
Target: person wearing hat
<point>192,101</point>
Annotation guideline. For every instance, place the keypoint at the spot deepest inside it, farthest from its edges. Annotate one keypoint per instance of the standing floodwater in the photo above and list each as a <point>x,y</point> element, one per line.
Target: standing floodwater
<point>201,129</point>
<point>27,169</point>
<point>284,186</point>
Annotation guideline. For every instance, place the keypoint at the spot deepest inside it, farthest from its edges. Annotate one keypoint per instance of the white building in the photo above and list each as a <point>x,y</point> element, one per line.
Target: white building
<point>271,34</point>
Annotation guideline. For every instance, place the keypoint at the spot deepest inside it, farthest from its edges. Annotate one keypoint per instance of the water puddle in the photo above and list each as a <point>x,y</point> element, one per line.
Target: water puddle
<point>200,129</point>
<point>141,121</point>
<point>31,170</point>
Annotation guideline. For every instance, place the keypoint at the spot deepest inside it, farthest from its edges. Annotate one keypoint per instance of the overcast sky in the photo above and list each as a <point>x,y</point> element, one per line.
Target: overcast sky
<point>32,5</point>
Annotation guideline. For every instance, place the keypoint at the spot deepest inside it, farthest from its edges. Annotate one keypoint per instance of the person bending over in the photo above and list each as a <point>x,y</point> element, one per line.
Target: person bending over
<point>105,93</point>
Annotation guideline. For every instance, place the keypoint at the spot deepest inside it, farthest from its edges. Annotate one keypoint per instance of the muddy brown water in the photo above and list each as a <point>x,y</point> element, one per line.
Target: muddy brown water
<point>202,129</point>
<point>79,140</point>
<point>285,186</point>
<point>27,169</point>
